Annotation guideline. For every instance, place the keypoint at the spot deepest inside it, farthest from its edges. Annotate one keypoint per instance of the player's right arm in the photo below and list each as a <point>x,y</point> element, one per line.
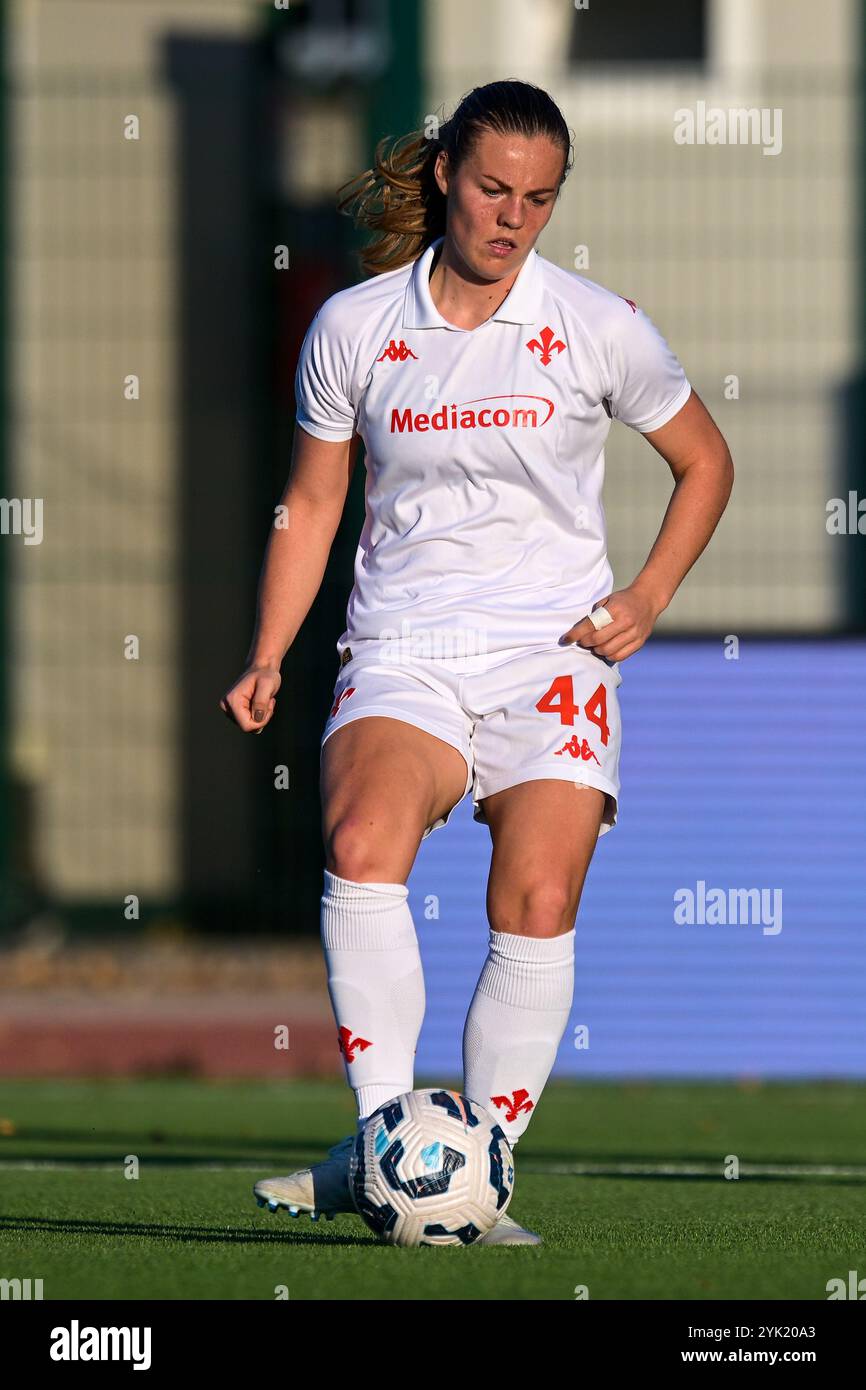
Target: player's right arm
<point>305,524</point>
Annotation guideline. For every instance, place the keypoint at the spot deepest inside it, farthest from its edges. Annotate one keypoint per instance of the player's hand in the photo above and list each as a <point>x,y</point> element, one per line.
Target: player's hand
<point>250,701</point>
<point>632,615</point>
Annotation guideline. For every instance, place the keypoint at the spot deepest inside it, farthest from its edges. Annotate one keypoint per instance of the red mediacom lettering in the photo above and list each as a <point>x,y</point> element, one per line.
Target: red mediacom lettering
<point>464,417</point>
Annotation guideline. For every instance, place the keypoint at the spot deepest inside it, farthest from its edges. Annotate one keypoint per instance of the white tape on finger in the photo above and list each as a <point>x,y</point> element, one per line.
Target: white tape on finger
<point>599,618</point>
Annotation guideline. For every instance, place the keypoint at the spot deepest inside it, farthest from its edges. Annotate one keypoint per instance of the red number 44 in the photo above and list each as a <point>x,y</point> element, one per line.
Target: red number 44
<point>559,699</point>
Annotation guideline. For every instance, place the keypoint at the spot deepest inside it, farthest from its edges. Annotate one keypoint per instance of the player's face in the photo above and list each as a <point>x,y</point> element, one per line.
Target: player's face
<point>500,199</point>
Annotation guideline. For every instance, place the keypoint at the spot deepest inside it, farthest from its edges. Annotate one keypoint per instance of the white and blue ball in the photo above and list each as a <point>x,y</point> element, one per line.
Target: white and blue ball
<point>431,1167</point>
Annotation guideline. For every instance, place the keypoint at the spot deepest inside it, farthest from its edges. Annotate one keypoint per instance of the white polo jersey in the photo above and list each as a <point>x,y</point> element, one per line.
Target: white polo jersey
<point>484,527</point>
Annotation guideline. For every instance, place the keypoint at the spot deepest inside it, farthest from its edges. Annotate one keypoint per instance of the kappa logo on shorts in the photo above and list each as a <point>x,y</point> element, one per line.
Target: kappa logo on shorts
<point>397,352</point>
<point>344,695</point>
<point>577,749</point>
<point>513,1105</point>
<point>348,1044</point>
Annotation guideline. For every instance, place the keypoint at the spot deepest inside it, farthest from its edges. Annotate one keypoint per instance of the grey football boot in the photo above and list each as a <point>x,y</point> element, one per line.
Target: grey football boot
<point>322,1190</point>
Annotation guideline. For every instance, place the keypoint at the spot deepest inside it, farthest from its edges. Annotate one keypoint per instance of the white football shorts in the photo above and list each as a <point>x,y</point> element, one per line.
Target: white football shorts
<point>516,716</point>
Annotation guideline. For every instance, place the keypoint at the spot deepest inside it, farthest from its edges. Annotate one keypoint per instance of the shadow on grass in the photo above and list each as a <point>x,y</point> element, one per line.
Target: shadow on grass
<point>202,1234</point>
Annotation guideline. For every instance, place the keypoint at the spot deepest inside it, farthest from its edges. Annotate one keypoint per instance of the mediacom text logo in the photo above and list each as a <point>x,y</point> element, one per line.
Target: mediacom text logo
<point>464,417</point>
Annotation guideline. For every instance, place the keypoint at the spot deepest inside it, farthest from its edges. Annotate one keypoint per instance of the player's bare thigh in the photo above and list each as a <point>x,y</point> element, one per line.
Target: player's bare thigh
<point>383,781</point>
<point>544,834</point>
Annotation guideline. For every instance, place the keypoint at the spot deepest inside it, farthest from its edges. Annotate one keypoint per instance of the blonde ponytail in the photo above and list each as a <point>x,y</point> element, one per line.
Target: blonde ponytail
<point>398,199</point>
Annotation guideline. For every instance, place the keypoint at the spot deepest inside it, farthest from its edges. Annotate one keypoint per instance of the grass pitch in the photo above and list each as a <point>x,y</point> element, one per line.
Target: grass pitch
<point>625,1183</point>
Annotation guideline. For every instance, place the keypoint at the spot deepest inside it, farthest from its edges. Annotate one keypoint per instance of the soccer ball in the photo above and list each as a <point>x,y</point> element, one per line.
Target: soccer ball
<point>431,1168</point>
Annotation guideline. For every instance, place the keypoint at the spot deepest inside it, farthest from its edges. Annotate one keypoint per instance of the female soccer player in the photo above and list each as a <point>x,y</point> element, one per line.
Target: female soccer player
<point>483,642</point>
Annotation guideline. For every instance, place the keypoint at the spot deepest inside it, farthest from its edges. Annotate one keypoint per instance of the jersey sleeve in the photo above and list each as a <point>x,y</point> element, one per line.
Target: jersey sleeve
<point>324,406</point>
<point>647,384</point>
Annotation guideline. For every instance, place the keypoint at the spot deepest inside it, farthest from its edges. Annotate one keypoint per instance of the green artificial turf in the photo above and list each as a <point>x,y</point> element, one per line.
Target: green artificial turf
<point>185,1230</point>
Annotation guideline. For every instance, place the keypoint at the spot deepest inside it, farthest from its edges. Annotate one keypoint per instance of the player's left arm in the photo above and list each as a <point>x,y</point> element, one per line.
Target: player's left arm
<point>699,459</point>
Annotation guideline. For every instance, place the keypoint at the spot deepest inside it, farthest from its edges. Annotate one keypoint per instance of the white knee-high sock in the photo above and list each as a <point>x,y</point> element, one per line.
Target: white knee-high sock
<point>515,1023</point>
<point>376,985</point>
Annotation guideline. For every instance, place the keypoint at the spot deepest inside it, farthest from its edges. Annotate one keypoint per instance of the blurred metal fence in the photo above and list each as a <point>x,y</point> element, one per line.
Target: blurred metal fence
<point>160,159</point>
